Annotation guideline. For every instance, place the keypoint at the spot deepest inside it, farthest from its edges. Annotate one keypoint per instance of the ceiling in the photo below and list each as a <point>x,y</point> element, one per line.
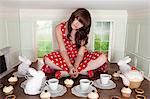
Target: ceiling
<point>90,4</point>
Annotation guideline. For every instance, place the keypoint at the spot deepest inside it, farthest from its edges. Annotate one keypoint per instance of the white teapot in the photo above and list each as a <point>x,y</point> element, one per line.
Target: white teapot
<point>132,78</point>
<point>34,84</point>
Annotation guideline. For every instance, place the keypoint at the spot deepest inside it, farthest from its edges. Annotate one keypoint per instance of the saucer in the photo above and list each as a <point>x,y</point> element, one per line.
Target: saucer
<point>23,84</point>
<point>97,83</point>
<point>108,84</point>
<point>78,92</point>
<point>61,90</point>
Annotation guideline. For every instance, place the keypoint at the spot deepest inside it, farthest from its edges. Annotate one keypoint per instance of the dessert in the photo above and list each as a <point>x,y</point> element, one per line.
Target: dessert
<point>12,80</point>
<point>68,82</point>
<point>8,90</point>
<point>140,96</point>
<point>10,97</point>
<point>45,94</point>
<point>116,75</point>
<point>93,95</point>
<point>126,92</point>
<point>134,77</point>
<point>139,91</point>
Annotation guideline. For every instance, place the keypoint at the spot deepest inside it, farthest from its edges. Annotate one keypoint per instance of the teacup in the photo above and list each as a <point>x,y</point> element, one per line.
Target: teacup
<point>105,78</point>
<point>52,83</point>
<point>84,84</point>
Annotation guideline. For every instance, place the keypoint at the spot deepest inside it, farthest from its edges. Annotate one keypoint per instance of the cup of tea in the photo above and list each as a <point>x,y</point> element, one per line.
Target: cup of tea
<point>85,83</point>
<point>105,78</point>
<point>52,83</point>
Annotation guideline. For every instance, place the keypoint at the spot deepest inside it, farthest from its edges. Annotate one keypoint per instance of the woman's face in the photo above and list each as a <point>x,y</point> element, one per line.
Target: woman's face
<point>76,24</point>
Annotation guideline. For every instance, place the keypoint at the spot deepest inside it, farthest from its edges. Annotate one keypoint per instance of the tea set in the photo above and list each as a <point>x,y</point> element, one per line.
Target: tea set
<point>55,89</point>
<point>36,82</point>
<point>84,88</point>
<point>104,82</point>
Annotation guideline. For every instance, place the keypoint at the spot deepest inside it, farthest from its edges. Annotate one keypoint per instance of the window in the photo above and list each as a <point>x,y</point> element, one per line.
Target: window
<point>43,38</point>
<point>102,34</point>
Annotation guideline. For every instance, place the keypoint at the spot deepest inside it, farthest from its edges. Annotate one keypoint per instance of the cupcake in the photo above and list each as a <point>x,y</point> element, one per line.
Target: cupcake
<point>45,94</point>
<point>93,95</point>
<point>12,80</point>
<point>8,90</point>
<point>116,75</point>
<point>10,97</point>
<point>68,82</point>
<point>126,92</point>
<point>135,78</point>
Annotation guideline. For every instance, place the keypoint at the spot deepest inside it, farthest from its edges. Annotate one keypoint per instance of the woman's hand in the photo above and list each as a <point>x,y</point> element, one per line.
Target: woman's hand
<point>76,73</point>
<point>73,72</point>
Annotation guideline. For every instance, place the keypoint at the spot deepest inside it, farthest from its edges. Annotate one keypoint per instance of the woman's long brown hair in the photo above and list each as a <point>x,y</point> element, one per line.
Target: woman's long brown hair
<point>84,17</point>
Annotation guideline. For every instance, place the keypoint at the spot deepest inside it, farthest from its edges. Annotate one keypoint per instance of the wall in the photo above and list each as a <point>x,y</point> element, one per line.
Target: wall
<point>10,34</point>
<point>117,37</point>
<point>3,35</point>
<point>137,42</point>
<point>29,16</point>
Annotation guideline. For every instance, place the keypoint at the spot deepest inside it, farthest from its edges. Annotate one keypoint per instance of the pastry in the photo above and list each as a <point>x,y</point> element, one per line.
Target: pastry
<point>135,78</point>
<point>12,80</point>
<point>45,94</point>
<point>10,97</point>
<point>116,75</point>
<point>93,95</point>
<point>69,82</point>
<point>138,96</point>
<point>126,92</point>
<point>139,91</point>
<point>8,90</point>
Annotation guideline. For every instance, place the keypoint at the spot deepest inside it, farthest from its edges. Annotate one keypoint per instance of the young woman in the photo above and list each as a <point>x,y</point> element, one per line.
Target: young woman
<point>73,58</point>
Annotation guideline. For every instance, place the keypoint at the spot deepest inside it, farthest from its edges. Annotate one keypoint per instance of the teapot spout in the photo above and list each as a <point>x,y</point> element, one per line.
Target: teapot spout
<point>125,80</point>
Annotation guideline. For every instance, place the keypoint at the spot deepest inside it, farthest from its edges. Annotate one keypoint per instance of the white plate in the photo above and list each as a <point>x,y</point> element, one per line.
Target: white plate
<point>97,83</point>
<point>59,92</point>
<point>78,92</point>
<point>23,84</point>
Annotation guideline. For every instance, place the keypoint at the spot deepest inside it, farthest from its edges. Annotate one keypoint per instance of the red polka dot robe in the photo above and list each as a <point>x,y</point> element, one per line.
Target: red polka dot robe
<point>72,51</point>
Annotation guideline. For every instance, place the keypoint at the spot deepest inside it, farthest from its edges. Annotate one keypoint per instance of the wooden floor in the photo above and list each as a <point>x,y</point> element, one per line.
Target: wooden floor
<point>104,94</point>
